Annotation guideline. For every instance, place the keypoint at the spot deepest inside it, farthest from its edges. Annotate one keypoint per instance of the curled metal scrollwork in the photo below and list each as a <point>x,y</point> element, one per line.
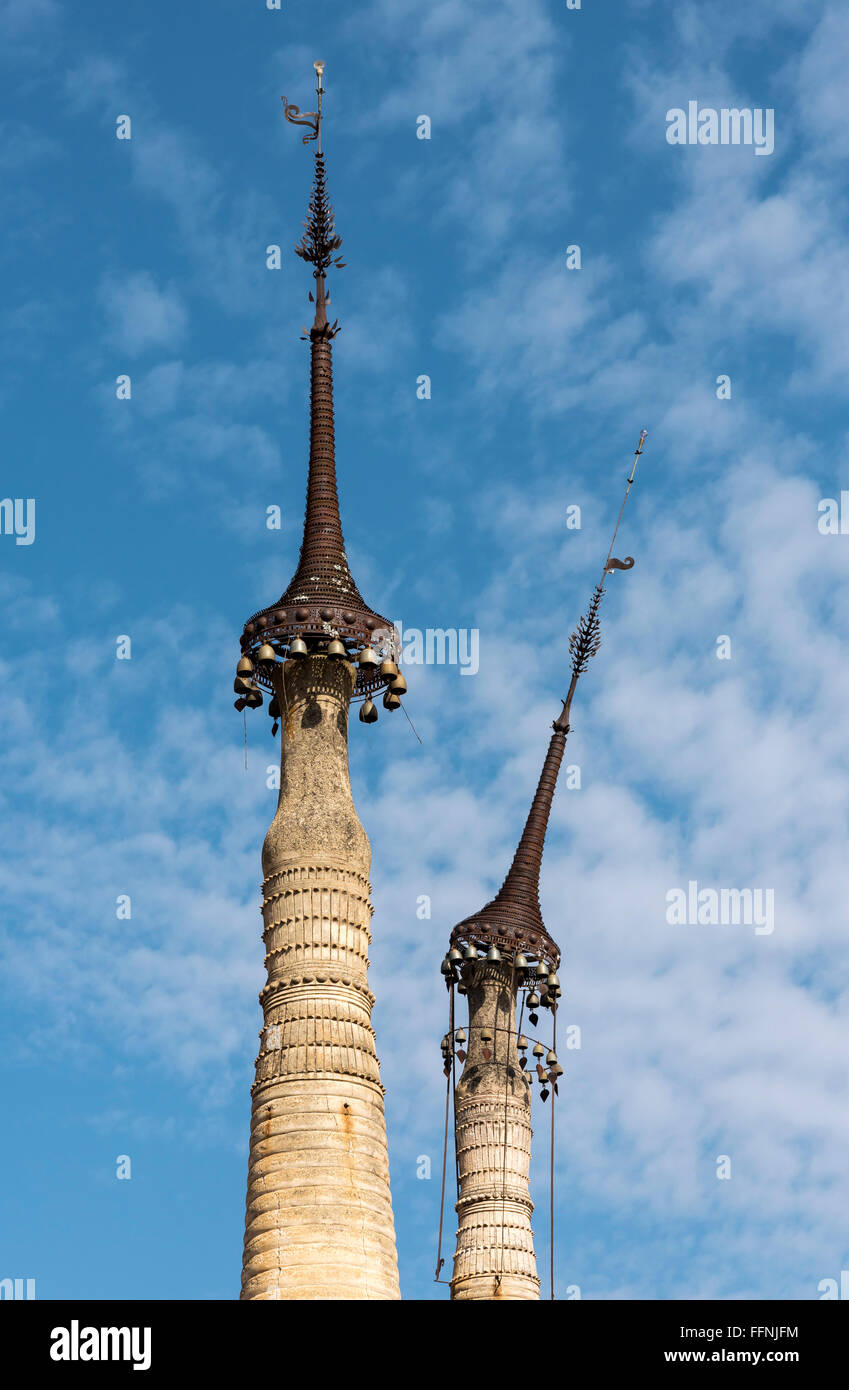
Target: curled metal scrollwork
<point>295,116</point>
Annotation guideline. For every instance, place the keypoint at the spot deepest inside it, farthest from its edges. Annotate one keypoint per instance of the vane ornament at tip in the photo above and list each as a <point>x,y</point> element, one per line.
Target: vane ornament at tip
<point>586,639</point>
<point>628,563</point>
<point>637,452</point>
<point>296,116</point>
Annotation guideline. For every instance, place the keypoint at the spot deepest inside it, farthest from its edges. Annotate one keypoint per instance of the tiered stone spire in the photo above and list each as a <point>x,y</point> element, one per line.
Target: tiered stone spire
<point>319,1215</point>
<point>322,600</point>
<point>513,917</point>
<point>495,1246</point>
<point>498,950</point>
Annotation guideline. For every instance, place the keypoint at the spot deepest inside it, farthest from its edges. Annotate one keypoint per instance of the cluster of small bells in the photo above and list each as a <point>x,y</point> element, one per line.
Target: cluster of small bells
<point>547,1077</point>
<point>249,695</point>
<point>548,1000</point>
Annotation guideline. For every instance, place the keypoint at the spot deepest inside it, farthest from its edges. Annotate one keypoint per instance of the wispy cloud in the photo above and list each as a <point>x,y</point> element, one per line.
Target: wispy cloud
<point>139,314</point>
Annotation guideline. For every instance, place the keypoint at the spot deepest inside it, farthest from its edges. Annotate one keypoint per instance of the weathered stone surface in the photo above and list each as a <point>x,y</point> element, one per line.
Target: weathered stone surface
<point>319,1216</point>
<point>494,1257</point>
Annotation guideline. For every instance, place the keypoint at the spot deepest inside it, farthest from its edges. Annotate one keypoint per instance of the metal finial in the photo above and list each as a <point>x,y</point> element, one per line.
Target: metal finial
<point>294,114</point>
<point>586,639</point>
<point>319,90</point>
<point>628,562</point>
<point>637,452</point>
<point>513,919</point>
<point>320,242</point>
<point>322,609</point>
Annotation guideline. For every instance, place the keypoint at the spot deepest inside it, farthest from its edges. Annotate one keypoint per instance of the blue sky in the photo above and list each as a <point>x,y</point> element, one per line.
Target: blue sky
<point>147,257</point>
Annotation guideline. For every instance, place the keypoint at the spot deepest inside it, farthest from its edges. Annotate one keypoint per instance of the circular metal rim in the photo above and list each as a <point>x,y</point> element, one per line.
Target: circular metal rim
<point>510,942</point>
<point>318,622</point>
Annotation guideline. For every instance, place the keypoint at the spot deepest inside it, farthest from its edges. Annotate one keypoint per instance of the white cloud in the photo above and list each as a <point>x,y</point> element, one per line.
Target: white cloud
<point>139,314</point>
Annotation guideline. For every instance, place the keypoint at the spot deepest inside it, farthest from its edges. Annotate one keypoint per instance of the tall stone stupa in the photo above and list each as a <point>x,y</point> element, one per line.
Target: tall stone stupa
<point>319,1219</point>
<point>497,955</point>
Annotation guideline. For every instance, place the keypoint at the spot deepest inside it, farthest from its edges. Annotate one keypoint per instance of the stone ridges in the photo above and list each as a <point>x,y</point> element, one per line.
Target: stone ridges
<point>309,1034</point>
<point>319,1214</point>
<point>318,1194</point>
<point>317,1002</point>
<point>495,1255</point>
<point>481,1150</point>
<point>495,1249</point>
<point>316,916</point>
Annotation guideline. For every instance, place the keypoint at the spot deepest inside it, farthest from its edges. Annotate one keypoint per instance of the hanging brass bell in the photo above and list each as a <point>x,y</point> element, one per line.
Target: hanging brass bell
<point>557,1070</point>
<point>336,648</point>
<point>266,656</point>
<point>533,1000</point>
<point>446,967</point>
<point>553,984</point>
<point>368,659</point>
<point>368,712</point>
<point>242,685</point>
<point>551,1058</point>
<point>398,686</point>
<point>460,1035</point>
<point>253,699</point>
<point>391,701</point>
<point>297,648</point>
<point>522,1044</point>
<point>493,954</point>
<point>521,962</point>
<point>462,988</point>
<point>486,1036</point>
<point>455,956</point>
<point>539,1050</point>
<point>542,971</point>
<point>245,667</point>
<point>470,952</point>
<point>388,669</point>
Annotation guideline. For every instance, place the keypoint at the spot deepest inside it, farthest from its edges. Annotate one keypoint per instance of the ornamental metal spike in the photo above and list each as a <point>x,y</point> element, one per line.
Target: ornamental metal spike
<point>586,639</point>
<point>310,118</point>
<point>513,918</point>
<point>322,599</point>
<point>320,241</point>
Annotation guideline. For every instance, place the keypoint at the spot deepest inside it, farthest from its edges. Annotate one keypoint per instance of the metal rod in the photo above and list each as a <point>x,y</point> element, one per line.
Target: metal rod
<point>439,1260</point>
<point>454,1093</point>
<point>410,722</point>
<point>502,1029</point>
<point>319,72</point>
<point>551,1174</point>
<point>637,452</point>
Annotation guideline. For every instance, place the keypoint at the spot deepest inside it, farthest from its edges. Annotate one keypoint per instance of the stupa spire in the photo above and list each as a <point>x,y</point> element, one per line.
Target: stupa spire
<point>513,917</point>
<point>495,953</point>
<point>318,1218</point>
<point>322,603</point>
